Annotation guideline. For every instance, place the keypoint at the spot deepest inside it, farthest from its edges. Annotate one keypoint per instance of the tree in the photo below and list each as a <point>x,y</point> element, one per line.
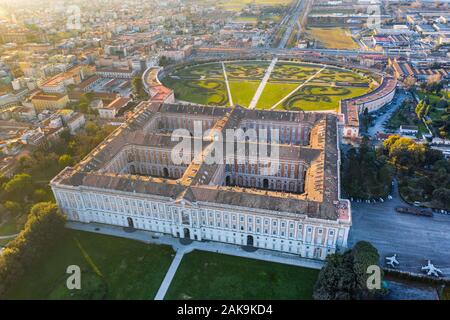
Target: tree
<point>410,83</point>
<point>13,208</point>
<point>40,195</point>
<point>404,151</point>
<point>366,119</point>
<point>365,172</point>
<point>442,103</point>
<point>138,88</point>
<point>344,276</point>
<point>420,109</point>
<point>20,186</point>
<point>43,228</point>
<point>65,161</point>
<point>441,196</point>
<point>164,61</point>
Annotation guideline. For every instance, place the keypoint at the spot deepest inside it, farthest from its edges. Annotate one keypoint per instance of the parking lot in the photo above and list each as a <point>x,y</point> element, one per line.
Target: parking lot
<point>413,238</point>
<point>383,115</point>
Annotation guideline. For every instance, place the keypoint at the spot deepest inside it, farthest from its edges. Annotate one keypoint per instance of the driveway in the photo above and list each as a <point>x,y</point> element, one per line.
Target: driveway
<point>414,238</point>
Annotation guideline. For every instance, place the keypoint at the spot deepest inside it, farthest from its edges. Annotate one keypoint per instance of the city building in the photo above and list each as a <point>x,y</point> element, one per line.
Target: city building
<point>111,110</point>
<point>52,101</point>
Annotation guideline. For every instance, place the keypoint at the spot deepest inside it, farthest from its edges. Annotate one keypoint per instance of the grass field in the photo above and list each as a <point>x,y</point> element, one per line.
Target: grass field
<point>204,275</point>
<point>112,268</point>
<point>205,84</point>
<point>274,92</point>
<point>333,38</point>
<point>242,92</point>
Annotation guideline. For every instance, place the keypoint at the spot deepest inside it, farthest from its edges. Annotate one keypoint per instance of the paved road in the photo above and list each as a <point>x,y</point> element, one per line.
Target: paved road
<point>390,109</point>
<point>415,239</point>
<point>299,7</point>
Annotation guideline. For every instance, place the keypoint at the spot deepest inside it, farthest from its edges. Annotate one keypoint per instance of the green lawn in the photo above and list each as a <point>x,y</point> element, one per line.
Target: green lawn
<point>205,275</point>
<point>243,91</point>
<point>274,92</point>
<point>314,96</point>
<point>112,268</point>
<point>210,92</point>
<point>293,71</point>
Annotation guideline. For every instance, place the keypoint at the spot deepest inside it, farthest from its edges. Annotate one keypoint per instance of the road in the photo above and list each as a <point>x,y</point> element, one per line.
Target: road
<point>413,238</point>
<point>298,10</point>
<point>390,109</point>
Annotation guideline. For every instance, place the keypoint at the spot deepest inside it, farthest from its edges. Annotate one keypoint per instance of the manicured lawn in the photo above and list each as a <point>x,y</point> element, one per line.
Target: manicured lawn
<point>243,91</point>
<point>333,38</point>
<point>205,275</point>
<point>246,70</point>
<point>112,268</point>
<point>320,97</point>
<point>204,84</point>
<point>293,72</point>
<point>211,92</point>
<point>274,92</point>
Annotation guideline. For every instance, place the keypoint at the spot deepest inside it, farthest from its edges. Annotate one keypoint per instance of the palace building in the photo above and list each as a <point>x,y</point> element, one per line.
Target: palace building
<point>131,180</point>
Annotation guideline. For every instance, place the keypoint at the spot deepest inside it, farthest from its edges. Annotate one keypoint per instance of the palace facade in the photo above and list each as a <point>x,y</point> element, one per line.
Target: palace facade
<point>132,180</point>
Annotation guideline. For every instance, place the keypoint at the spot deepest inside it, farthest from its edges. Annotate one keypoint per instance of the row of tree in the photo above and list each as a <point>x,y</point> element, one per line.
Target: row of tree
<point>366,174</point>
<point>44,226</point>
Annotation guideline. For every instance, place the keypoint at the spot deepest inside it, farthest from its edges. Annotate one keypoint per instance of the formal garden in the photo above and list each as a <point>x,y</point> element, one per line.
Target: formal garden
<point>291,85</point>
